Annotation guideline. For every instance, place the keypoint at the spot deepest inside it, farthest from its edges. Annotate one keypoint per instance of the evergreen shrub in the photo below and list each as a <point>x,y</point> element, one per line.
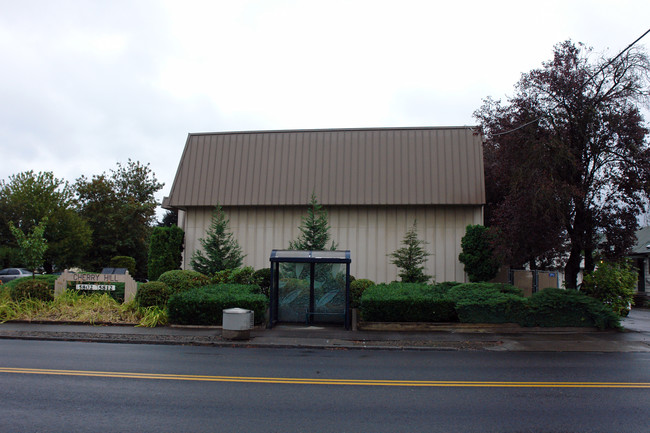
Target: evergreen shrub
<point>263,278</point>
<point>478,254</point>
<point>124,262</point>
<point>488,303</point>
<point>165,251</point>
<point>357,287</point>
<point>205,305</point>
<point>245,275</point>
<point>613,284</point>
<point>31,288</point>
<point>48,278</point>
<point>183,280</point>
<point>558,307</point>
<point>406,302</point>
<point>495,308</point>
<point>152,294</point>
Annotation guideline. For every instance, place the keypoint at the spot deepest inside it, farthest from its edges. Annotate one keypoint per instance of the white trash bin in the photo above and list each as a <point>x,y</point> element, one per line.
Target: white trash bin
<point>237,324</point>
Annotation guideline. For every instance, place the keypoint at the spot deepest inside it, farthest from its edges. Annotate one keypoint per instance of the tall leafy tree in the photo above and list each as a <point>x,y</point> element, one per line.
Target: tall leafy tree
<point>27,198</point>
<point>567,161</point>
<point>314,229</point>
<point>32,245</point>
<point>221,250</point>
<point>410,258</point>
<point>120,208</point>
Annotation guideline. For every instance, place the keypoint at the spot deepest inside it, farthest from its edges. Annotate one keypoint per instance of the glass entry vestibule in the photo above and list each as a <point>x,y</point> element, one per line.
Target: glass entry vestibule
<point>310,287</point>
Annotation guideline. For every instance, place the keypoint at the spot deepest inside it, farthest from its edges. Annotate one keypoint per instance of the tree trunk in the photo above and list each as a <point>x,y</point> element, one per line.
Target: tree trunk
<point>572,268</point>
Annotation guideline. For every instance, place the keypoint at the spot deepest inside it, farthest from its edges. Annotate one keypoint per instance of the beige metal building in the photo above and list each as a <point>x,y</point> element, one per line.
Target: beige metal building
<point>374,183</point>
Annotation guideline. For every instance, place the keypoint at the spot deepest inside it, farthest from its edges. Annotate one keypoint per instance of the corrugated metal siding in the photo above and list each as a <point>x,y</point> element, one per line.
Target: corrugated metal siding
<point>343,167</point>
<point>369,232</point>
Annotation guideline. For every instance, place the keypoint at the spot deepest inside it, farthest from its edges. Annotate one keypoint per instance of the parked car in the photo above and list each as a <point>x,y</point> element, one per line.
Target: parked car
<point>13,273</point>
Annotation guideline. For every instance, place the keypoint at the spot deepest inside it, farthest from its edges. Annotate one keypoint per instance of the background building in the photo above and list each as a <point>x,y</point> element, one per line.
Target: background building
<point>374,183</point>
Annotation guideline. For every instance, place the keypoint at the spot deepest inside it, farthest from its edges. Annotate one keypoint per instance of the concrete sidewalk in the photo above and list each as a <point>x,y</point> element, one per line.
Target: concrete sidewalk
<point>635,337</point>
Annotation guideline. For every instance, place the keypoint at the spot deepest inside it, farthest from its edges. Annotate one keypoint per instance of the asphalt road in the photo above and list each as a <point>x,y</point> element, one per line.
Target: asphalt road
<point>67,386</point>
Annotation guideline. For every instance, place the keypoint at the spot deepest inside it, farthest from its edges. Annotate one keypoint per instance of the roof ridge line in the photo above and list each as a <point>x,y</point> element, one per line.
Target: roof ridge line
<point>383,128</point>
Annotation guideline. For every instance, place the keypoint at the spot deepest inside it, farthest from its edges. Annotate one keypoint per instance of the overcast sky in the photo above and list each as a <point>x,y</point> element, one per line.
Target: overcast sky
<point>86,84</point>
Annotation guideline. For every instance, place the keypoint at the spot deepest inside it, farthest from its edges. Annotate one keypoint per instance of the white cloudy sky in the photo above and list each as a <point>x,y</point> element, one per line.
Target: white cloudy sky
<point>85,84</point>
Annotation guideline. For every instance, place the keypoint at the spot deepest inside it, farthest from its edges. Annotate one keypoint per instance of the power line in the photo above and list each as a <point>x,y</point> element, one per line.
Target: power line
<point>584,84</point>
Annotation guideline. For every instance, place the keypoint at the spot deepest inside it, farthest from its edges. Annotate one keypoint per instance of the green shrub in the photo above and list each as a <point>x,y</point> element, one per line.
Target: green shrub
<point>165,251</point>
<point>446,285</point>
<point>357,287</point>
<point>48,278</point>
<point>488,302</point>
<point>153,293</point>
<point>263,279</point>
<point>478,253</point>
<point>496,308</point>
<point>32,289</point>
<point>612,284</point>
<point>406,302</point>
<point>123,262</point>
<point>183,280</point>
<point>245,275</point>
<point>205,305</point>
<point>557,307</point>
<point>480,291</point>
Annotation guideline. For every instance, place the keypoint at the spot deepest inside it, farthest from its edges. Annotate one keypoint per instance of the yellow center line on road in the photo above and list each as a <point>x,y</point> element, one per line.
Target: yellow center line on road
<point>317,381</point>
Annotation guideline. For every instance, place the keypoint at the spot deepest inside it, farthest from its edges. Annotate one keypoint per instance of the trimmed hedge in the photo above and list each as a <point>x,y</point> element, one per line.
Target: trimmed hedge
<point>153,293</point>
<point>165,250</point>
<point>263,278</point>
<point>483,303</point>
<point>50,279</point>
<point>31,289</point>
<point>205,305</point>
<point>480,291</point>
<point>124,262</point>
<point>245,275</point>
<point>357,287</point>
<point>183,280</point>
<point>406,302</point>
<point>557,307</point>
<point>497,308</point>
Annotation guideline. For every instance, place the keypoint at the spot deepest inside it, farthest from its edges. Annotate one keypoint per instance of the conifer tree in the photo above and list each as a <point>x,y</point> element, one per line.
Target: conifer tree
<point>221,250</point>
<point>411,257</point>
<point>314,229</point>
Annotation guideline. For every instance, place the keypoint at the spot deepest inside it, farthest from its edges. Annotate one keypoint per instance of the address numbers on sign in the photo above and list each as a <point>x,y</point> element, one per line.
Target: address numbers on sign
<point>108,287</point>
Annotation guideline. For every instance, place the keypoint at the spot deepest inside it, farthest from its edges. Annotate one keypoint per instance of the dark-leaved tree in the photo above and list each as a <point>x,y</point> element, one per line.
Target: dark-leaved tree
<point>567,163</point>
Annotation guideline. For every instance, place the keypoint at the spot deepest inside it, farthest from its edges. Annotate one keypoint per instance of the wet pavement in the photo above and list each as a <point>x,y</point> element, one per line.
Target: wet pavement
<point>635,336</point>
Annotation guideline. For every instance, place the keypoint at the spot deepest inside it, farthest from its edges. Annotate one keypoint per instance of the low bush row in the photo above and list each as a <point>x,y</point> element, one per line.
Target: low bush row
<point>406,302</point>
<point>483,303</point>
<point>205,305</point>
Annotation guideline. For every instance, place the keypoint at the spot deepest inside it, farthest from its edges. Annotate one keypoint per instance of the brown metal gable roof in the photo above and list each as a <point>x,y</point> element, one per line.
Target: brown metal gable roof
<point>387,166</point>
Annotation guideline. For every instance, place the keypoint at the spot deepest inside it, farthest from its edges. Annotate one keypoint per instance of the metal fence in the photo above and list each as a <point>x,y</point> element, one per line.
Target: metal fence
<point>528,281</point>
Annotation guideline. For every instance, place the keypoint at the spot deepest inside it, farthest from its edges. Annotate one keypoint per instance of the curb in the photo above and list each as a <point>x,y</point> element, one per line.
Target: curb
<point>479,328</point>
